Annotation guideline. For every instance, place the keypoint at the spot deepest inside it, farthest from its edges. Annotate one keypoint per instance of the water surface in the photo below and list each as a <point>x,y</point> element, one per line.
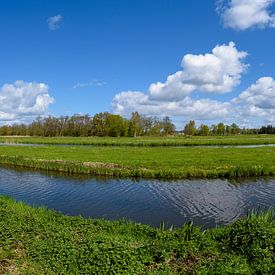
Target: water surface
<point>206,202</point>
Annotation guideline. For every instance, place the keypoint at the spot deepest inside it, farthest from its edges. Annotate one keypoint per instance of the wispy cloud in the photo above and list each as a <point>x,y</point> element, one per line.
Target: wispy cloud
<point>93,83</point>
<point>54,22</point>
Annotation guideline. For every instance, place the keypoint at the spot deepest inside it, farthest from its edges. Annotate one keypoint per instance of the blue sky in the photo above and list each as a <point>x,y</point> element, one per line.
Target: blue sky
<point>86,53</point>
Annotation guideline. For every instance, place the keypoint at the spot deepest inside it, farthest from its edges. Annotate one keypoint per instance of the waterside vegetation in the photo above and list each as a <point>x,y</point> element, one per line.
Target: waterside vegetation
<point>41,241</point>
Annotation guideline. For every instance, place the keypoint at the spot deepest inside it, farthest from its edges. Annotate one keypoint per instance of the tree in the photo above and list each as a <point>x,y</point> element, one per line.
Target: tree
<point>221,129</point>
<point>99,124</point>
<point>235,129</point>
<point>228,130</point>
<point>204,130</point>
<point>214,129</point>
<point>190,128</point>
<point>269,129</point>
<point>135,124</point>
<point>168,127</point>
<point>116,125</point>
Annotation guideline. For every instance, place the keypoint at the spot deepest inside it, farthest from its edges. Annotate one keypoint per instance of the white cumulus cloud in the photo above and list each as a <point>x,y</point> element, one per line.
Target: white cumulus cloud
<point>23,100</point>
<point>258,100</point>
<point>217,72</point>
<point>54,22</point>
<point>125,103</point>
<point>245,14</point>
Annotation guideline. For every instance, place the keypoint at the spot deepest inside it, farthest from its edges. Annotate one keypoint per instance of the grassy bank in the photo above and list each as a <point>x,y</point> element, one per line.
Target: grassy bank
<point>147,162</point>
<point>40,241</point>
<point>146,141</point>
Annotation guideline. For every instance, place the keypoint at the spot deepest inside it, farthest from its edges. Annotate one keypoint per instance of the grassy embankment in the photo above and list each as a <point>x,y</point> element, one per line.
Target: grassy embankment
<point>147,162</point>
<point>146,141</point>
<point>40,241</point>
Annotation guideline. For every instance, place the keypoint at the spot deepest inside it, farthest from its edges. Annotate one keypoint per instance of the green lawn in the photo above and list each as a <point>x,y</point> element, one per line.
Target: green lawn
<point>40,241</point>
<point>151,162</point>
<point>147,141</point>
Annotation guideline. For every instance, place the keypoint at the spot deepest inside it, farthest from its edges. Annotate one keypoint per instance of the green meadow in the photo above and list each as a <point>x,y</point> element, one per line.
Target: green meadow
<point>147,162</point>
<point>146,141</point>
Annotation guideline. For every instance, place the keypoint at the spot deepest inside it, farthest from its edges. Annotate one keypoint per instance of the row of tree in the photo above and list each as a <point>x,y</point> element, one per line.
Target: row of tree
<point>221,129</point>
<point>106,124</point>
<point>101,124</point>
<point>216,129</point>
<point>269,129</point>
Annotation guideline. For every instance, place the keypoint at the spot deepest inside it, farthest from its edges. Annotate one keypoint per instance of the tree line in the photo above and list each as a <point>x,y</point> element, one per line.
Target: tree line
<point>219,129</point>
<point>101,124</point>
<point>222,129</point>
<point>107,124</point>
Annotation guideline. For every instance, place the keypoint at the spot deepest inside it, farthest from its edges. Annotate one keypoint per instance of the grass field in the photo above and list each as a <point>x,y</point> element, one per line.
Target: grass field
<point>147,162</point>
<point>146,141</point>
<point>40,241</point>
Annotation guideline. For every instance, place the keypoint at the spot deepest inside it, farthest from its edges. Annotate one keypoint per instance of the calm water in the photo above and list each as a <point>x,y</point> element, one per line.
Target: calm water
<point>207,202</point>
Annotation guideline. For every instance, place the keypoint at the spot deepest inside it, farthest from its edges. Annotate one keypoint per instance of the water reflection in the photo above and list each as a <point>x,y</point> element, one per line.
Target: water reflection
<point>206,202</point>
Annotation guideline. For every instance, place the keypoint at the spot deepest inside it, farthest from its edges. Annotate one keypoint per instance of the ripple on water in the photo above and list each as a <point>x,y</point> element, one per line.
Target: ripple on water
<point>206,202</point>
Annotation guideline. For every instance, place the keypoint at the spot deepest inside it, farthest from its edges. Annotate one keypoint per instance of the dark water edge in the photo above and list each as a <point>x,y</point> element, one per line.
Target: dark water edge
<point>207,203</point>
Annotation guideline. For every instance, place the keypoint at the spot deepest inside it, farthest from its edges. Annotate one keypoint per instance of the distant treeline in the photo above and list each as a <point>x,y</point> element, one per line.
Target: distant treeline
<point>222,129</point>
<point>101,124</point>
<point>106,124</point>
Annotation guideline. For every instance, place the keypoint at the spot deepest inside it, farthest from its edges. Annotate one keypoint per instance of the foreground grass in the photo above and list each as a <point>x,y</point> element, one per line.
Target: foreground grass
<point>147,162</point>
<point>40,241</point>
<point>146,141</point>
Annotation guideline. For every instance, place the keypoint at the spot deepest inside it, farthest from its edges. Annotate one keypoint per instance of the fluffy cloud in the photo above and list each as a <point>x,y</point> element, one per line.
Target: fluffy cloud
<point>216,72</point>
<point>54,22</point>
<point>258,100</point>
<point>261,94</point>
<point>23,100</point>
<point>253,107</point>
<point>244,14</point>
<point>125,103</point>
